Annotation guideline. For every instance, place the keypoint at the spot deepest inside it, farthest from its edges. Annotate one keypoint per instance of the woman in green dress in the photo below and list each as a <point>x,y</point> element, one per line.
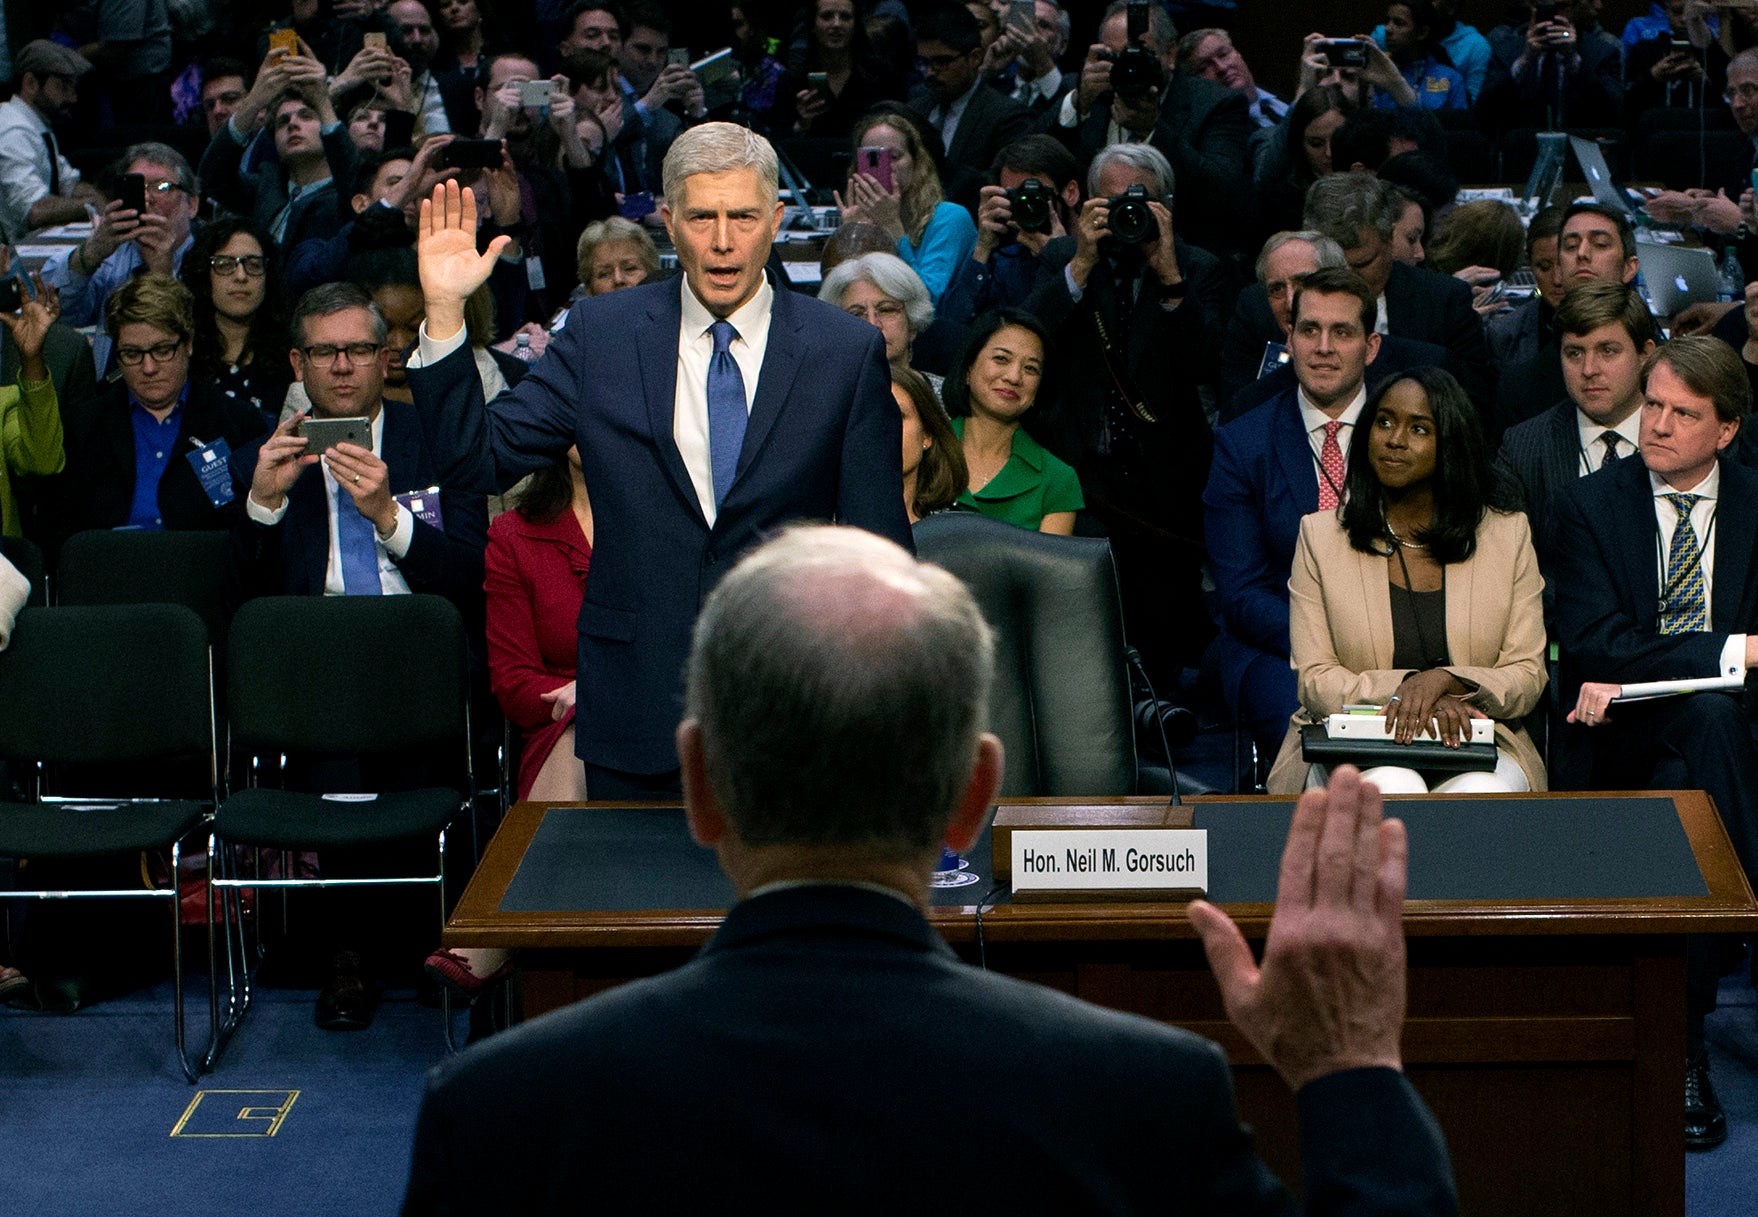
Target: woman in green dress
<point>997,379</point>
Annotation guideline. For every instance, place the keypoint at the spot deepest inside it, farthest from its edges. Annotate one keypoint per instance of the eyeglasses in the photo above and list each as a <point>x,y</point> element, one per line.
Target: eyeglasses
<point>885,308</point>
<point>163,187</point>
<point>255,265</point>
<point>160,351</point>
<point>353,352</point>
<point>1746,93</point>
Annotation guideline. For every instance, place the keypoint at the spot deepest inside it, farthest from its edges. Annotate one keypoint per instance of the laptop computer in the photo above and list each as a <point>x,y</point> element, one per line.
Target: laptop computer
<point>1606,192</point>
<point>1677,277</point>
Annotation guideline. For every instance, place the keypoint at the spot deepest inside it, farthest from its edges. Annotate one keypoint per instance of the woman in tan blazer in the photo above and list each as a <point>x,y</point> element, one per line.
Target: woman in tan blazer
<point>1419,594</point>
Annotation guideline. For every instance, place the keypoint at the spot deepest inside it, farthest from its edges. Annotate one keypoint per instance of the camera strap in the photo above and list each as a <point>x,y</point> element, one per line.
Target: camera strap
<point>1120,376</point>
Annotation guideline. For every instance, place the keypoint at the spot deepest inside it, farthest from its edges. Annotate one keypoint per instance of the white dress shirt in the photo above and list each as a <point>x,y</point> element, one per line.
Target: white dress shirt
<point>689,420</point>
<point>1025,92</point>
<point>432,105</point>
<point>390,579</point>
<point>1593,447</point>
<point>1733,652</point>
<point>1314,419</point>
<point>24,166</point>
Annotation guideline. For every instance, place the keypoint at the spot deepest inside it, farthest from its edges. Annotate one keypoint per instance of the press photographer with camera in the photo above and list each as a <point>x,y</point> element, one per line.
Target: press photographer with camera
<point>1034,196</point>
<point>1134,313</point>
<point>1130,92</point>
<point>1556,69</point>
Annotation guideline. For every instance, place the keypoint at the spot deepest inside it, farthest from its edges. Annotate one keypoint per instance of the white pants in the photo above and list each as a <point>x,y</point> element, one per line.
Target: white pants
<point>1507,777</point>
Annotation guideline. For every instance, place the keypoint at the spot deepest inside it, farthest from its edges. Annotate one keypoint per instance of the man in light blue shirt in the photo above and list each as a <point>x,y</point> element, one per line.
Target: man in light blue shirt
<point>126,243</point>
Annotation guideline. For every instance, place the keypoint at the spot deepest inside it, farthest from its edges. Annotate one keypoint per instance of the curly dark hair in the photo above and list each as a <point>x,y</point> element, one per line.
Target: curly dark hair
<point>267,338</point>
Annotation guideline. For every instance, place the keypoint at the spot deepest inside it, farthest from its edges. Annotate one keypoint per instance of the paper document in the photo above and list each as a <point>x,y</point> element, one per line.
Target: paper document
<point>1645,690</point>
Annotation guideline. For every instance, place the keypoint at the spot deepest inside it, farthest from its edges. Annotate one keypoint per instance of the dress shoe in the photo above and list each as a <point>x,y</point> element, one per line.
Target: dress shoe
<point>348,1001</point>
<point>1705,1122</point>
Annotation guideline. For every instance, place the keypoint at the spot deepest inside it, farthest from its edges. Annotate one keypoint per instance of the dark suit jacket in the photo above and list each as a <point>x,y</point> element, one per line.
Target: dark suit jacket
<point>1608,579</point>
<point>261,195</point>
<point>1261,482</point>
<point>1515,334</point>
<point>290,558</point>
<point>1432,307</point>
<point>97,487</point>
<point>991,121</point>
<point>1151,469</point>
<point>1395,355</point>
<point>1203,130</point>
<point>1542,456</point>
<point>789,1066</point>
<point>824,443</point>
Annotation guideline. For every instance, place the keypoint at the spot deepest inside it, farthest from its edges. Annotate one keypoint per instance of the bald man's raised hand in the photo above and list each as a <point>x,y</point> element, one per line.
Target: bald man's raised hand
<point>1329,994</point>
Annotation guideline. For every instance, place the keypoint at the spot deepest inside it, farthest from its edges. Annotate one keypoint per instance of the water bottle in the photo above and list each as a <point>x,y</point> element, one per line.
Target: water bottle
<point>522,348</point>
<point>1731,284</point>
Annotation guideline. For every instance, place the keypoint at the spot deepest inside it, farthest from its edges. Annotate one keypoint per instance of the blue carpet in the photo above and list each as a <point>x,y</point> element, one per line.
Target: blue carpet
<point>88,1103</point>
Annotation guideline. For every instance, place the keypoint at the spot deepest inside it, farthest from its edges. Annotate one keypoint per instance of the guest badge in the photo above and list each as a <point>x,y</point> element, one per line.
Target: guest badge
<point>211,466</point>
<point>1169,860</point>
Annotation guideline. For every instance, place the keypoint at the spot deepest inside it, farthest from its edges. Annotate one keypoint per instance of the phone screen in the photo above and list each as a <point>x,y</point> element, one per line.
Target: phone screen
<point>284,40</point>
<point>131,191</point>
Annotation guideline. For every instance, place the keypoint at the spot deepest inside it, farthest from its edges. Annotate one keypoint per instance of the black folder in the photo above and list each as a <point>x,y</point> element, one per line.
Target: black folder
<point>1424,752</point>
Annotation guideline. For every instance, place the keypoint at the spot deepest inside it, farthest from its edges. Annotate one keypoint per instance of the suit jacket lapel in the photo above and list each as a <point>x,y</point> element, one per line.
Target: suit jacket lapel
<point>656,348</point>
<point>1294,453</point>
<point>1376,595</point>
<point>309,502</point>
<point>781,360</point>
<point>1736,528</point>
<point>1642,555</point>
<point>1562,457</point>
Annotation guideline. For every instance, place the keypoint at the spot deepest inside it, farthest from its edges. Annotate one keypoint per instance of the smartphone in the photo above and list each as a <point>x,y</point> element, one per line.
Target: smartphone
<point>1023,15</point>
<point>1682,46</point>
<point>678,57</point>
<point>283,40</point>
<point>819,81</point>
<point>11,294</point>
<point>131,192</point>
<point>875,163</point>
<point>1135,16</point>
<point>637,206</point>
<point>322,434</point>
<point>373,41</point>
<point>1344,52</point>
<point>1545,11</point>
<point>471,154</point>
<point>535,95</point>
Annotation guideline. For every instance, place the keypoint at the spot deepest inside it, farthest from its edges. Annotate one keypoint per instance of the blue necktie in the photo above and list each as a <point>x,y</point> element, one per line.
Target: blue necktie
<point>1684,604</point>
<point>726,410</point>
<point>358,541</point>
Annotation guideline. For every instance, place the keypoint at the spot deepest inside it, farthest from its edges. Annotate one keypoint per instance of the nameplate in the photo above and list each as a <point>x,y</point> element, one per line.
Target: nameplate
<point>1140,863</point>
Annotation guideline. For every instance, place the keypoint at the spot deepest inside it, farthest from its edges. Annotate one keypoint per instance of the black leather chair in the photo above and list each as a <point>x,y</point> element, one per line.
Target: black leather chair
<point>1061,703</point>
<point>133,566</point>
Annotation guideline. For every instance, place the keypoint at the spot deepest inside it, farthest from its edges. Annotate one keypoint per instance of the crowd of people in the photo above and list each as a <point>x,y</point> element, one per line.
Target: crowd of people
<point>1354,436</point>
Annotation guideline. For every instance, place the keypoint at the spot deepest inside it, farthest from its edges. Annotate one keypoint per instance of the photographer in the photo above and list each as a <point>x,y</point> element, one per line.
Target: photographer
<point>1129,92</point>
<point>1034,200</point>
<point>1134,314</point>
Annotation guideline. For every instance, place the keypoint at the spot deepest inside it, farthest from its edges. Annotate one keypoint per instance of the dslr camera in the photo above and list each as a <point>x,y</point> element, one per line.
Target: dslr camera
<point>1030,204</point>
<point>1135,70</point>
<point>1130,219</point>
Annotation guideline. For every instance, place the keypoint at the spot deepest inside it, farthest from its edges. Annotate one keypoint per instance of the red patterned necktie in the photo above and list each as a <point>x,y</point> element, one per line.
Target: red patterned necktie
<point>1331,466</point>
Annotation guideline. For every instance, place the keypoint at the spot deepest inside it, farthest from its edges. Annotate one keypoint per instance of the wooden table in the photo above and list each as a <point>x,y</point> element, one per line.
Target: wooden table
<point>1546,1033</point>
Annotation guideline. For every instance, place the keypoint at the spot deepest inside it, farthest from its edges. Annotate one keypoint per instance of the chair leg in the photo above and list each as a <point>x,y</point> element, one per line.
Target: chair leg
<point>238,972</point>
<point>190,1071</point>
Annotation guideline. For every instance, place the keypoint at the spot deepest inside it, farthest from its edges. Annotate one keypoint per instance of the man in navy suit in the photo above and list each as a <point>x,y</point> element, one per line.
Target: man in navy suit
<point>1656,581</point>
<point>1272,465</point>
<point>795,1064</point>
<point>707,411</point>
<point>376,519</point>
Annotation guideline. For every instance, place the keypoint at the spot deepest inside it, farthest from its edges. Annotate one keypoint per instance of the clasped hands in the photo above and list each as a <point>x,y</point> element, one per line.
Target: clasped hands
<point>1431,703</point>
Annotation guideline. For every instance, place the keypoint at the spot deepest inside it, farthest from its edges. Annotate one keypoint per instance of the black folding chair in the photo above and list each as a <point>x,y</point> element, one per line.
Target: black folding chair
<point>365,677</point>
<point>107,687</point>
<point>137,566</point>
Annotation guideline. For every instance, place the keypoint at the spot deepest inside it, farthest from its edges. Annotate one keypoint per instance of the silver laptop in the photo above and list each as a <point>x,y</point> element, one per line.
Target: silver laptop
<point>1677,277</point>
<point>1599,179</point>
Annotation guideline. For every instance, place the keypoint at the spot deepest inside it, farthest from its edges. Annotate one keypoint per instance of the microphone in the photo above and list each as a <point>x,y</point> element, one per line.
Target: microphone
<point>1159,716</point>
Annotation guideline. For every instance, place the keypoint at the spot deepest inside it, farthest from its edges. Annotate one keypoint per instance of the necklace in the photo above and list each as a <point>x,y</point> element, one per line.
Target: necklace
<point>1400,542</point>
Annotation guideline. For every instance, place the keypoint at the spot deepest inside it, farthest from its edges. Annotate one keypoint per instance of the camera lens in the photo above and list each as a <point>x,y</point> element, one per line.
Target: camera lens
<point>1130,219</point>
<point>1030,205</point>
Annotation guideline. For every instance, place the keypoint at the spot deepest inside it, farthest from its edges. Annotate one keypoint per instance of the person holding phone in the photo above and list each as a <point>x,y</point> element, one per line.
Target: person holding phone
<point>149,233</point>
<point>30,413</point>
<point>841,79</point>
<point>1554,70</point>
<point>933,236</point>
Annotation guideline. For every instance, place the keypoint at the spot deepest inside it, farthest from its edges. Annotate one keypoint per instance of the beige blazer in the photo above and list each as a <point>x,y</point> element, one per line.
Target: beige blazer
<point>1340,627</point>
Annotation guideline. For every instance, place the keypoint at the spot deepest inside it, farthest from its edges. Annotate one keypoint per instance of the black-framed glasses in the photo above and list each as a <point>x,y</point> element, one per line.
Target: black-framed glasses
<point>160,351</point>
<point>353,352</point>
<point>163,187</point>
<point>255,265</point>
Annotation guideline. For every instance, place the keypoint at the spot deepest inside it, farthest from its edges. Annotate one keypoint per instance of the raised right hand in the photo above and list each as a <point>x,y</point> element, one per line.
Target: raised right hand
<point>1095,79</point>
<point>445,250</point>
<point>1329,995</point>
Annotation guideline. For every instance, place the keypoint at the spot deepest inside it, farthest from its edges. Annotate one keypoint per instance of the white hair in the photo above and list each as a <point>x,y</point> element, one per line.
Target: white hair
<point>718,148</point>
<point>1326,252</point>
<point>1145,157</point>
<point>891,275</point>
